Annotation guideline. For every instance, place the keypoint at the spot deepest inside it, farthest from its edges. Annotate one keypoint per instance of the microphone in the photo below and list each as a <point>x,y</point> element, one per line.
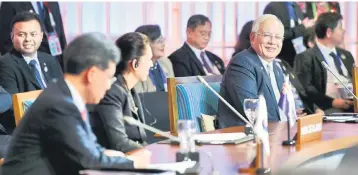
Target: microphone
<point>201,79</point>
<point>135,122</point>
<point>327,67</point>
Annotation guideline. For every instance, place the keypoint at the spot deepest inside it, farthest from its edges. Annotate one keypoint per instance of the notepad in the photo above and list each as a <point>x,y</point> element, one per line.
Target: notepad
<point>223,138</point>
<point>176,166</point>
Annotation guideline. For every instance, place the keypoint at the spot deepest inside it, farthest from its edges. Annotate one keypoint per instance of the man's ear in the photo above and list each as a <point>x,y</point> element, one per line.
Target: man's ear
<point>90,74</point>
<point>329,33</point>
<point>252,37</point>
<point>12,36</point>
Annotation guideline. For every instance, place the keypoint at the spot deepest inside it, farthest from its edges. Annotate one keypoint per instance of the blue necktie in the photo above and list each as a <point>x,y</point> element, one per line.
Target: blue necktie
<point>205,63</point>
<point>337,62</point>
<point>41,10</point>
<point>36,73</point>
<point>291,11</point>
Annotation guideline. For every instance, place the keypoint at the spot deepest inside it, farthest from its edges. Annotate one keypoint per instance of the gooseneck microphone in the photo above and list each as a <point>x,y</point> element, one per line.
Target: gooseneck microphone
<point>329,69</point>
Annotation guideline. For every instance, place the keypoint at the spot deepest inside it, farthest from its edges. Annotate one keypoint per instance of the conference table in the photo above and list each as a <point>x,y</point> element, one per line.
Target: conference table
<point>228,159</point>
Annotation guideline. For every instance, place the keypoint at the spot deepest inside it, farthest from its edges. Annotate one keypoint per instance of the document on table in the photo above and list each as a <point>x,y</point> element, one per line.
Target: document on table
<point>176,166</point>
<point>222,138</point>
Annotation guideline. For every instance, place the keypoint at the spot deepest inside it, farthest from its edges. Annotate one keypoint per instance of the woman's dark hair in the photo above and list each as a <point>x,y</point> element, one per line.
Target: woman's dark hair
<point>243,41</point>
<point>151,31</point>
<point>309,36</point>
<point>132,46</point>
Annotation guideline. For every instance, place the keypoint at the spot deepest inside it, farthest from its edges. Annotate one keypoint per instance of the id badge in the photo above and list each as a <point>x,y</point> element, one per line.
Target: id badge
<point>54,44</point>
<point>298,44</point>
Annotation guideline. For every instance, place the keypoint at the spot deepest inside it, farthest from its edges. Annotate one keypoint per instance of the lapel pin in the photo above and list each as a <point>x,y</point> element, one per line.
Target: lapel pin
<point>292,76</point>
<point>343,56</point>
<point>31,11</point>
<point>45,67</point>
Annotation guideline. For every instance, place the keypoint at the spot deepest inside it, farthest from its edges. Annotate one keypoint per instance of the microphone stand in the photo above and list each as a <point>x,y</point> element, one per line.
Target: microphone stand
<point>260,157</point>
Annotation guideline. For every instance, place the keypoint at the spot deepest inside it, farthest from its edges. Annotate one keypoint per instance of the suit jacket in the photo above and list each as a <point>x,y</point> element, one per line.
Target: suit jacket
<point>309,107</point>
<point>5,99</point>
<point>185,62</point>
<point>108,123</point>
<point>149,86</point>
<point>16,77</point>
<point>54,139</point>
<point>280,10</point>
<point>246,77</point>
<point>9,9</point>
<point>313,75</point>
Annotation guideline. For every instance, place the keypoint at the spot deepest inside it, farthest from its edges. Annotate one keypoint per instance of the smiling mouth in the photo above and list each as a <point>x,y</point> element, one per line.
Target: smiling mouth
<point>270,49</point>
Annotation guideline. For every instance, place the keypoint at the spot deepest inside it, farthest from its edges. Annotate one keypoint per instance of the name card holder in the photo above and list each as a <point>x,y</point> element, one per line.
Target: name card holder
<point>309,128</point>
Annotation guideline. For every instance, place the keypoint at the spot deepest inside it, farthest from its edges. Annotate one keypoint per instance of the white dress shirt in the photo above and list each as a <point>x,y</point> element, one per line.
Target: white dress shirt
<point>77,99</point>
<point>197,54</point>
<point>332,82</point>
<point>38,67</point>
<point>272,77</point>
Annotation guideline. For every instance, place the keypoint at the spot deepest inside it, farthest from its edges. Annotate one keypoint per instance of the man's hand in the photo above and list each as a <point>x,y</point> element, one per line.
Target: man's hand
<point>341,103</point>
<point>113,153</point>
<point>140,158</point>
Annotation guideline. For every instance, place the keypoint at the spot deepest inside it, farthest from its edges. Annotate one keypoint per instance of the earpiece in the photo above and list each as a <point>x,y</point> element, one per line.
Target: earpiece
<point>136,64</point>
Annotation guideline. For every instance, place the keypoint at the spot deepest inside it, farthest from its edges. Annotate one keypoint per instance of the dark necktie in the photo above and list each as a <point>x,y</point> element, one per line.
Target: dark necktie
<point>291,11</point>
<point>36,73</point>
<point>206,64</point>
<point>41,10</point>
<point>337,62</point>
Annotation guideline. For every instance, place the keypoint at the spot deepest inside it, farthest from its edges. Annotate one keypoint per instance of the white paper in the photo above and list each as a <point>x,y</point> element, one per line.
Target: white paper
<point>176,166</point>
<point>221,137</point>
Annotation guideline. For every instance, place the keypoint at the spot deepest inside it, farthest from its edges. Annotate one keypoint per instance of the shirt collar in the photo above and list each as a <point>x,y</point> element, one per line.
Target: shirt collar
<point>195,50</point>
<point>77,99</point>
<point>265,63</point>
<point>325,49</point>
<point>28,59</point>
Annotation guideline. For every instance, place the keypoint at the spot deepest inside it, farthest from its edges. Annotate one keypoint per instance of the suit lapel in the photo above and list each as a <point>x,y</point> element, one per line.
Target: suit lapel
<point>345,61</point>
<point>320,58</point>
<point>194,58</point>
<point>44,68</point>
<point>214,61</point>
<point>24,68</point>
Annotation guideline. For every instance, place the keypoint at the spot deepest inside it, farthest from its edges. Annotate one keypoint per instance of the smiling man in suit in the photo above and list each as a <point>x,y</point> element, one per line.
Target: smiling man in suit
<point>25,68</point>
<point>192,59</point>
<point>55,27</point>
<point>320,84</point>
<point>253,72</point>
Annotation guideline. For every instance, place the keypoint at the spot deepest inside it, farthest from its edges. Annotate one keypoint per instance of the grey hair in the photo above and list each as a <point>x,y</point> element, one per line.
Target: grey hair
<point>87,50</point>
<point>263,18</point>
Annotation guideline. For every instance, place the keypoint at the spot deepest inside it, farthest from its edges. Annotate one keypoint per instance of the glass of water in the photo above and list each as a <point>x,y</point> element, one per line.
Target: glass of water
<point>250,106</point>
<point>186,131</point>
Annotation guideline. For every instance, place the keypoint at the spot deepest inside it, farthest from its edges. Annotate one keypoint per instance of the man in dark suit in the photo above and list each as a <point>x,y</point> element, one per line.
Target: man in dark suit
<point>9,9</point>
<point>291,17</point>
<point>320,85</point>
<point>192,59</point>
<point>55,136</point>
<point>253,72</point>
<point>24,68</point>
<point>5,104</point>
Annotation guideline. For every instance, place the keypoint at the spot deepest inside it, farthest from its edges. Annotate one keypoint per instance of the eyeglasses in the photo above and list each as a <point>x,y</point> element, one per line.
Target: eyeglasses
<point>205,34</point>
<point>268,36</point>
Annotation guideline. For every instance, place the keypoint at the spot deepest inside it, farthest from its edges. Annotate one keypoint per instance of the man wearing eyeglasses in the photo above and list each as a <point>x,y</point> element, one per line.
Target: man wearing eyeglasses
<point>192,58</point>
<point>252,72</point>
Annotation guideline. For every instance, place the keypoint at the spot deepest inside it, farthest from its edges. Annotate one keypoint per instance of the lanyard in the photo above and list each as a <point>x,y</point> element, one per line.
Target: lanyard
<point>52,21</point>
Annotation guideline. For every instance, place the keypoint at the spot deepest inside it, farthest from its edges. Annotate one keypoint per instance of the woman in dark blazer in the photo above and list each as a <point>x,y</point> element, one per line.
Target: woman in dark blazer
<point>122,99</point>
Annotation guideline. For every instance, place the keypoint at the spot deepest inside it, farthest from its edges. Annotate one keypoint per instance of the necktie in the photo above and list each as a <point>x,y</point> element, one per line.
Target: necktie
<point>271,75</point>
<point>41,10</point>
<point>206,64</point>
<point>337,62</point>
<point>291,11</point>
<point>36,73</point>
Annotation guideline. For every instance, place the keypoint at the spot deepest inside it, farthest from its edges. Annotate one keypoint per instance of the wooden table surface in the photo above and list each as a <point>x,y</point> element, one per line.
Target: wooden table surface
<point>227,159</point>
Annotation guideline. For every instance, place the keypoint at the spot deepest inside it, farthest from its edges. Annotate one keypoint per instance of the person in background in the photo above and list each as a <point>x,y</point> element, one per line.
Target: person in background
<point>192,58</point>
<point>295,25</point>
<point>122,99</point>
<point>321,86</point>
<point>309,38</point>
<point>162,66</point>
<point>5,104</point>
<point>243,41</point>
<point>312,10</point>
<point>54,136</point>
<point>50,20</point>
<point>25,68</point>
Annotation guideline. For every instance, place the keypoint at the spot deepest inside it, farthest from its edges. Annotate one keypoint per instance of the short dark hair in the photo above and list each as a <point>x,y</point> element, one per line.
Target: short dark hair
<point>132,46</point>
<point>151,31</point>
<point>309,36</point>
<point>326,21</point>
<point>24,17</point>
<point>196,20</point>
<point>87,50</point>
